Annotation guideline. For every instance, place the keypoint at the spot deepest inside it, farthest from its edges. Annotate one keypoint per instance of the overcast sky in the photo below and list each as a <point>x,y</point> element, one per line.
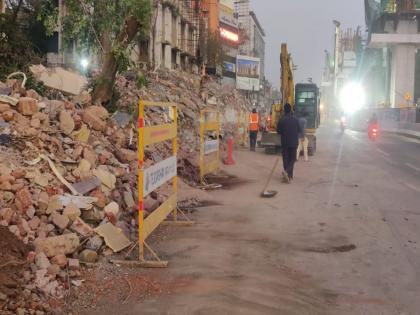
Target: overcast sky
<point>306,26</point>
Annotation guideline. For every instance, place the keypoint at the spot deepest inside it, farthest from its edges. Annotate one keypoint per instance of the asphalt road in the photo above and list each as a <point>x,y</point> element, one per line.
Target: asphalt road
<point>343,238</point>
<point>402,154</point>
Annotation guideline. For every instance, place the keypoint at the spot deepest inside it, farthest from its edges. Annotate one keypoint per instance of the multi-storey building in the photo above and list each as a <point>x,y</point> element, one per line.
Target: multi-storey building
<point>394,32</point>
<point>252,42</point>
<point>173,41</point>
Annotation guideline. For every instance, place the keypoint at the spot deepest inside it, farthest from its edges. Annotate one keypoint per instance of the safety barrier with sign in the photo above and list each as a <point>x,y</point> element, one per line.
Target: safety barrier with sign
<point>209,148</point>
<point>242,128</point>
<point>155,176</point>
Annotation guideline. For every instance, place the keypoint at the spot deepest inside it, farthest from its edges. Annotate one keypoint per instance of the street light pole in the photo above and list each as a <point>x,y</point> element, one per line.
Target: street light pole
<point>336,52</point>
<point>336,42</point>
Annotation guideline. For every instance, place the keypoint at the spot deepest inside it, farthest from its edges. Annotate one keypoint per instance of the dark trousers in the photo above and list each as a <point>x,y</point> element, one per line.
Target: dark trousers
<point>253,139</point>
<point>289,159</point>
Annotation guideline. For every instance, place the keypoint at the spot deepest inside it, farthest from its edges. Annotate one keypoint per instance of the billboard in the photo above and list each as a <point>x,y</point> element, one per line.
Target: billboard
<point>248,73</point>
<point>228,4</point>
<point>226,13</point>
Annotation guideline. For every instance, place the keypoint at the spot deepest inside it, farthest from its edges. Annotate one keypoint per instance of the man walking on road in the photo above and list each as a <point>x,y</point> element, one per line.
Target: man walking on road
<point>288,128</point>
<point>253,129</point>
<point>303,140</point>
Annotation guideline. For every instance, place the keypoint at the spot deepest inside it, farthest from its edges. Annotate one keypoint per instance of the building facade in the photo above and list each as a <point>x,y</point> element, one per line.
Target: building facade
<point>252,42</point>
<point>394,34</point>
<point>251,54</point>
<point>229,35</point>
<point>173,40</point>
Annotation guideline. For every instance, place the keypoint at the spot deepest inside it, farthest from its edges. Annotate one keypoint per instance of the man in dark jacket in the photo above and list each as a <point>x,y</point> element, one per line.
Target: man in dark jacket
<point>289,129</point>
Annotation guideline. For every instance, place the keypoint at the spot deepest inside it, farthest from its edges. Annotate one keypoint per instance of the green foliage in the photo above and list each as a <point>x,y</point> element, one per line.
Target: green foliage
<point>95,24</point>
<point>141,81</point>
<point>17,51</point>
<point>214,50</point>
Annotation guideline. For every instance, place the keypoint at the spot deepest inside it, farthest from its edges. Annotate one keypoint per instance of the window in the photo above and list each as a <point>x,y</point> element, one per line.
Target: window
<point>306,98</point>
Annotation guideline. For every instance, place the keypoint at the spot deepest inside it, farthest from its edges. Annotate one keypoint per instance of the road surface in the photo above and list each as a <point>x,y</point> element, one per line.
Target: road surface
<point>343,238</point>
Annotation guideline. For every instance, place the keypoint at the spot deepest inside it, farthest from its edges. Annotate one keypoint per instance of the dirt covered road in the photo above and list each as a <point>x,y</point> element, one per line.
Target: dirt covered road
<point>342,239</point>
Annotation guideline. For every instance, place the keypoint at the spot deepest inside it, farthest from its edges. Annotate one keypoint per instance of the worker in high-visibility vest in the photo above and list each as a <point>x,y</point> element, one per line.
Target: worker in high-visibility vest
<point>254,124</point>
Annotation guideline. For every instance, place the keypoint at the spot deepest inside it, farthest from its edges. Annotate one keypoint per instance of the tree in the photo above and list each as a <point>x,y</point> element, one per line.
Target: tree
<point>108,29</point>
<point>19,42</point>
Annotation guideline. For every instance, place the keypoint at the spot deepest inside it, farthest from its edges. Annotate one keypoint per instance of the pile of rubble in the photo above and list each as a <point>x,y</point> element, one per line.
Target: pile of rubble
<point>191,94</point>
<point>68,177</point>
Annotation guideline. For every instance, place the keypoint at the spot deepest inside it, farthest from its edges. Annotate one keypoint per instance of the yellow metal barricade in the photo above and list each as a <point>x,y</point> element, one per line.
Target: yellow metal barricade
<point>209,122</point>
<point>242,128</point>
<point>152,178</point>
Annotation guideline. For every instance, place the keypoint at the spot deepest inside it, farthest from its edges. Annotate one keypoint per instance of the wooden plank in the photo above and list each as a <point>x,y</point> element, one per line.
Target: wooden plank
<point>156,134</point>
<point>211,125</point>
<point>159,215</point>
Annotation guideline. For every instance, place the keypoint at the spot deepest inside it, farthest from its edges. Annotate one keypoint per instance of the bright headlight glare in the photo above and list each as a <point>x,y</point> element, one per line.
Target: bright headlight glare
<point>84,63</point>
<point>352,97</point>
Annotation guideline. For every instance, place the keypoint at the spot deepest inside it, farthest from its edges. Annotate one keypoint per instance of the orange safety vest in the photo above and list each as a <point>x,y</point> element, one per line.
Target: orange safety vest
<point>253,122</point>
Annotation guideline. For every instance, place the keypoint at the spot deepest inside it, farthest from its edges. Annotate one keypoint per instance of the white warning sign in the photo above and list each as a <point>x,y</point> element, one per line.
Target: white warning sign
<point>158,174</point>
<point>211,146</point>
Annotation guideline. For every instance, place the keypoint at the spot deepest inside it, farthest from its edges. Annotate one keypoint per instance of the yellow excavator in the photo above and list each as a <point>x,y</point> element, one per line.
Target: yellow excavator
<point>304,98</point>
<point>270,140</point>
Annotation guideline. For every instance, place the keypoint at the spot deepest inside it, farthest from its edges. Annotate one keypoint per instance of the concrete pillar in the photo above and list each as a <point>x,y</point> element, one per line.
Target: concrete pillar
<point>178,40</point>
<point>167,38</point>
<point>403,67</point>
<point>167,25</point>
<point>156,51</point>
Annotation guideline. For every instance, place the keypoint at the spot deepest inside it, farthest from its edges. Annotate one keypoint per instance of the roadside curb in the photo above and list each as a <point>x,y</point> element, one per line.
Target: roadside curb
<point>405,134</point>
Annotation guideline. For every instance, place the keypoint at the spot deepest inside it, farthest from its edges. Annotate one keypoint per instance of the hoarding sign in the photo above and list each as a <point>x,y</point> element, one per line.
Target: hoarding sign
<point>231,36</point>
<point>211,146</point>
<point>228,4</point>
<point>248,73</point>
<point>226,13</point>
<point>158,174</point>
<point>229,67</point>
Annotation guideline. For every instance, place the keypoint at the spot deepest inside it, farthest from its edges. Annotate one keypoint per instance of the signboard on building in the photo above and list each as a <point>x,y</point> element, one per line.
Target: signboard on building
<point>226,14</point>
<point>228,35</point>
<point>248,73</point>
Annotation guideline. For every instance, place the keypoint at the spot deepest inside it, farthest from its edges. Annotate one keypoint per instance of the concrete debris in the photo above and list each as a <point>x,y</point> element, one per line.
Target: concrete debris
<point>27,106</point>
<point>107,178</point>
<point>53,246</point>
<point>9,100</point>
<point>73,264</point>
<point>88,256</point>
<point>60,79</point>
<point>41,261</point>
<point>81,228</point>
<point>70,168</point>
<point>87,186</point>
<point>81,202</point>
<point>60,260</point>
<point>66,122</point>
<point>72,212</point>
<point>113,236</point>
<point>112,209</point>
<point>60,221</point>
<point>121,119</point>
<point>94,243</point>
